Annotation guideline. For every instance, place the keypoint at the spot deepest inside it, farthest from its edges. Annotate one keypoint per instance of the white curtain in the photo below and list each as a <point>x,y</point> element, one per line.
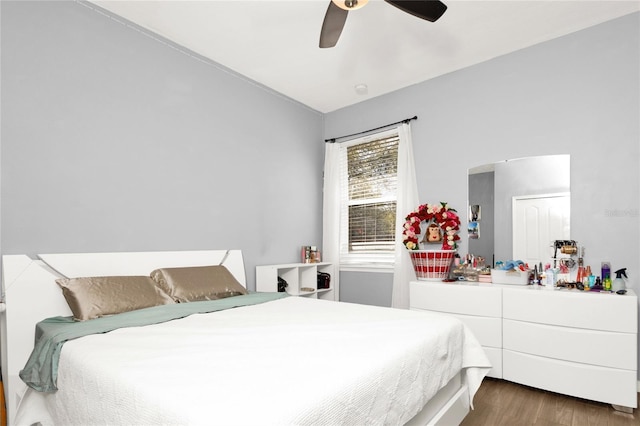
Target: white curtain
<point>407,202</point>
<point>331,208</point>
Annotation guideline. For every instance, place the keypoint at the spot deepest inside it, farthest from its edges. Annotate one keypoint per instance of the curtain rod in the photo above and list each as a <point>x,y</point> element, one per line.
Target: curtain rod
<point>406,120</point>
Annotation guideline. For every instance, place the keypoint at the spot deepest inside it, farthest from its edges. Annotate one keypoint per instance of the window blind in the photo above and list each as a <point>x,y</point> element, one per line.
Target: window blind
<point>369,197</point>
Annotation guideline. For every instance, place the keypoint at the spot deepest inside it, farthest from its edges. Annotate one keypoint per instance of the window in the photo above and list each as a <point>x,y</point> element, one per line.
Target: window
<point>369,182</point>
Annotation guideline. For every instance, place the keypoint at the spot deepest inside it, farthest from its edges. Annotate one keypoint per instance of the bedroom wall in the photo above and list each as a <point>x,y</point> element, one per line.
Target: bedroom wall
<point>577,95</point>
<point>116,141</point>
<point>482,193</point>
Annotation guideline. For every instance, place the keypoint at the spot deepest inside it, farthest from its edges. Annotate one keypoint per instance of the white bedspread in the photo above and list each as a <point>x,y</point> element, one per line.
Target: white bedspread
<point>290,361</point>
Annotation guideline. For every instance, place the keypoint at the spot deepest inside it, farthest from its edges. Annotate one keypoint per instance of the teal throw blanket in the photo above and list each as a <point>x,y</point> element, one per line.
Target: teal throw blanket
<point>41,370</point>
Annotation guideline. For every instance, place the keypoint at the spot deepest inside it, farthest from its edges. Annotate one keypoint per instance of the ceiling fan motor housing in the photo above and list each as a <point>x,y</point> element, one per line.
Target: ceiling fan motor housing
<point>350,4</point>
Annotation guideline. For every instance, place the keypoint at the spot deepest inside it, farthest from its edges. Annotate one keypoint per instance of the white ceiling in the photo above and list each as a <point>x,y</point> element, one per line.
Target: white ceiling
<point>275,43</point>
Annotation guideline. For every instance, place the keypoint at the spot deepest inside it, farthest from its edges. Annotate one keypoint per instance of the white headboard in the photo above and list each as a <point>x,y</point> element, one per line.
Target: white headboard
<point>30,294</point>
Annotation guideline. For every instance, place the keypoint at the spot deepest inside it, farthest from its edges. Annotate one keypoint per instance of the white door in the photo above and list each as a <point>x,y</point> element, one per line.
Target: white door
<point>538,221</point>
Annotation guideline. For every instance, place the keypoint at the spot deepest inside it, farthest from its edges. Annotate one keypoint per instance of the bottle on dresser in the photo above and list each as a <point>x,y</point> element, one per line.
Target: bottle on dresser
<point>606,275</point>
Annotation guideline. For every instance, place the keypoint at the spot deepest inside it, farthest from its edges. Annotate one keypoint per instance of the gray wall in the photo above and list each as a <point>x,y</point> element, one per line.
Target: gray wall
<point>481,192</point>
<point>577,95</point>
<point>369,288</point>
<point>115,141</point>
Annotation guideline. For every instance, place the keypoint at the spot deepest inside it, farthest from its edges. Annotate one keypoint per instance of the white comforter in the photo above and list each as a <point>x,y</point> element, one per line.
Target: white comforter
<point>290,361</point>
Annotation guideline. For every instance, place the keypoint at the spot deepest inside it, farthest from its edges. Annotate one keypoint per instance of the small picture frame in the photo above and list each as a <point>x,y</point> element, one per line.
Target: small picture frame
<point>474,213</point>
<point>474,230</point>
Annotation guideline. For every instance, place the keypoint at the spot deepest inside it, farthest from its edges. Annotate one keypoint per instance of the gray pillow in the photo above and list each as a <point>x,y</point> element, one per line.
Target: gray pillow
<point>93,297</point>
<point>196,283</point>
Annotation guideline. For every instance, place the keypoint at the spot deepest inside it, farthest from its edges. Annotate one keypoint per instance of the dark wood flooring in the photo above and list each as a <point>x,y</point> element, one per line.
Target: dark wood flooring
<point>499,402</point>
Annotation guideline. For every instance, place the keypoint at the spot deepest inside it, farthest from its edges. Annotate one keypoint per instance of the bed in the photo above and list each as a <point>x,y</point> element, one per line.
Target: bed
<point>252,359</point>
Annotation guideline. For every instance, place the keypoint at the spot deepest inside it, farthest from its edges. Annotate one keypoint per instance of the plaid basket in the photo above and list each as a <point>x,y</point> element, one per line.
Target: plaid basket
<point>432,265</point>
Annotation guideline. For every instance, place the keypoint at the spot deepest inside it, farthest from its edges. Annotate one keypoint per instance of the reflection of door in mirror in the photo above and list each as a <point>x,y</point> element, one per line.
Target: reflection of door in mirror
<point>537,221</point>
<point>493,187</point>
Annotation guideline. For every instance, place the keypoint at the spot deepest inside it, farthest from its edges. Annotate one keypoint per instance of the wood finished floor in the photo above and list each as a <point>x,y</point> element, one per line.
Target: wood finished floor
<point>503,403</point>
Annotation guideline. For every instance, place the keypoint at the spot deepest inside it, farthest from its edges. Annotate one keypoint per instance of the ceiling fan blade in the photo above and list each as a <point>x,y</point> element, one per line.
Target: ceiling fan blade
<point>332,26</point>
<point>431,10</point>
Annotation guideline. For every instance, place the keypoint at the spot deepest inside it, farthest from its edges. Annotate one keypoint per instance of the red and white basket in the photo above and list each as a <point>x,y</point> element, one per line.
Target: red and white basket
<point>432,265</point>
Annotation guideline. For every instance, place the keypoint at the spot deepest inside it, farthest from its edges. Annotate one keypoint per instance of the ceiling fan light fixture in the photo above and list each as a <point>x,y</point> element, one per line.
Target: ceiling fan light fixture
<point>350,4</point>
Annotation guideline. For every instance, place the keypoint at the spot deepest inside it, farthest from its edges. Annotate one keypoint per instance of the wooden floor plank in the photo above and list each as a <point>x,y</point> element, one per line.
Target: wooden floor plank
<point>499,402</point>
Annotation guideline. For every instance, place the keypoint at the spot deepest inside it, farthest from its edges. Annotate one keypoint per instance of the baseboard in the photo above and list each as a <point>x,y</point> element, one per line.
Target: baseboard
<point>638,386</point>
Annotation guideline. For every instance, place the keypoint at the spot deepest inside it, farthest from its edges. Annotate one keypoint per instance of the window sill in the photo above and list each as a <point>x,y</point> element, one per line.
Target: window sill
<point>386,268</point>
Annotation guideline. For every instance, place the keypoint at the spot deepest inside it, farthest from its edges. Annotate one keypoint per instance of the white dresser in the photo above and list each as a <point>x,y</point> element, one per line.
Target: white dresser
<point>478,306</point>
<point>576,343</point>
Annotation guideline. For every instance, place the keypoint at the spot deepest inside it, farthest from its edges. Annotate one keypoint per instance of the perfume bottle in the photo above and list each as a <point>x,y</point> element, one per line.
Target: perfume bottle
<point>581,273</point>
<point>580,276</point>
<point>606,283</point>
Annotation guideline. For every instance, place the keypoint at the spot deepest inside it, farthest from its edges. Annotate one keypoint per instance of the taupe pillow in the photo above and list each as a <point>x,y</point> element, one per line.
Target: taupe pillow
<point>93,297</point>
<point>196,283</point>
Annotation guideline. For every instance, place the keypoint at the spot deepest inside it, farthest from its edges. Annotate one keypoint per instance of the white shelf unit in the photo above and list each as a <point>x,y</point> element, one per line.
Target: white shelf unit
<point>297,276</point>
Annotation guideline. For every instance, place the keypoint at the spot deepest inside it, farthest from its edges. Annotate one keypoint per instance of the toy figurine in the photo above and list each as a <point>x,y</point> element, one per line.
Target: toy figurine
<point>433,234</point>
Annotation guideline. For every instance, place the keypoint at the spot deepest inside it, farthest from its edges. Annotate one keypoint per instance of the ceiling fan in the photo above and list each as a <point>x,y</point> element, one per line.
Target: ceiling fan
<point>338,10</point>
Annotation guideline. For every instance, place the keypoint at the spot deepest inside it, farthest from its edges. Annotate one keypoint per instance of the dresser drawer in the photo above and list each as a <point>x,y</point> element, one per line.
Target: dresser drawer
<point>495,358</point>
<point>456,298</point>
<point>606,312</point>
<point>487,330</point>
<point>595,383</point>
<point>603,348</point>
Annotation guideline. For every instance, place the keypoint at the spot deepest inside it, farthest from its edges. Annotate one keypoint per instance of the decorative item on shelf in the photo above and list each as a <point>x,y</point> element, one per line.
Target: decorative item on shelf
<point>310,254</point>
<point>324,280</point>
<point>282,285</point>
<point>443,225</point>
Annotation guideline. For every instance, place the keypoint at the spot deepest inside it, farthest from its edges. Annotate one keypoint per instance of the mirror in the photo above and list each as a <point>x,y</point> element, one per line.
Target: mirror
<point>521,206</point>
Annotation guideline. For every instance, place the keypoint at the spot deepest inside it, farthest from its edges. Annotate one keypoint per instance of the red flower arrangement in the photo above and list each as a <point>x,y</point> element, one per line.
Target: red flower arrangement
<point>442,215</point>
